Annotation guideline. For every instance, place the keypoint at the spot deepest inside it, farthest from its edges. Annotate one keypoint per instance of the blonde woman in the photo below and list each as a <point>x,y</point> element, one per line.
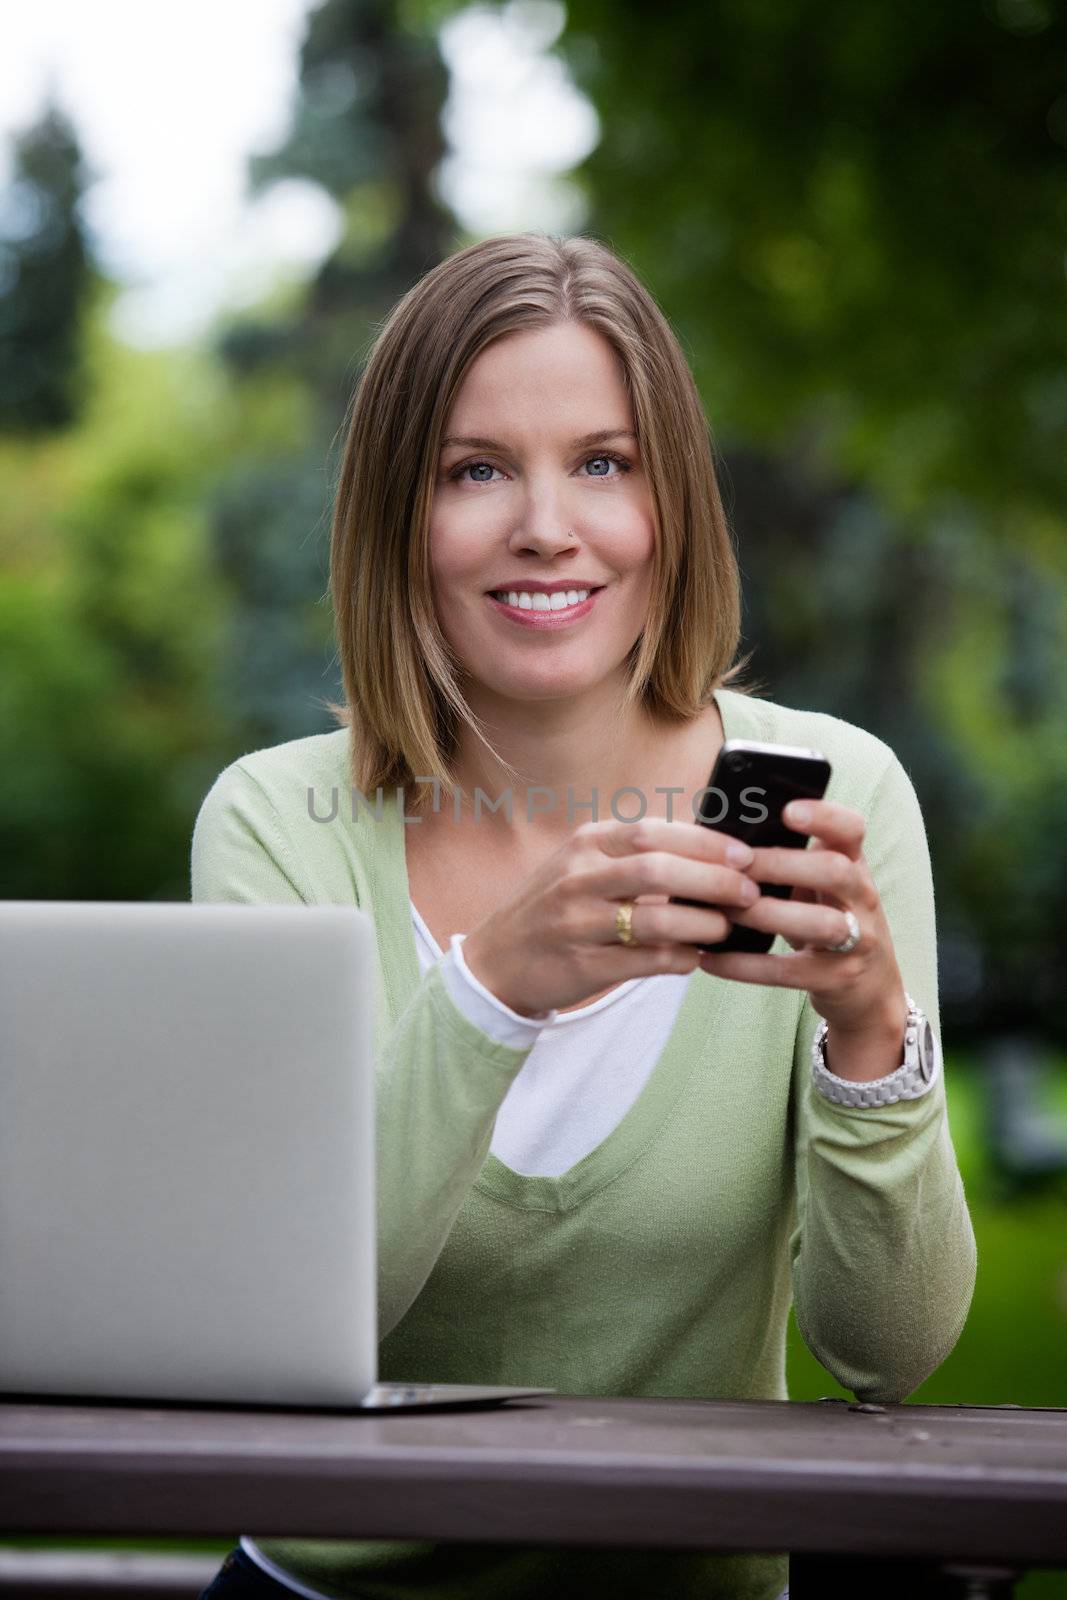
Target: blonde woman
<point>607,1163</point>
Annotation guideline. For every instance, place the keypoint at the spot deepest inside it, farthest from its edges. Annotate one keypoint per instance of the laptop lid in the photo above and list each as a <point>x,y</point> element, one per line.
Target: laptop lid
<point>187,1192</point>
<point>187,1152</point>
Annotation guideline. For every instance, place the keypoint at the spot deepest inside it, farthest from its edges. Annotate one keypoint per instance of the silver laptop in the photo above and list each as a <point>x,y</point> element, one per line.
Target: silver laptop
<point>187,1197</point>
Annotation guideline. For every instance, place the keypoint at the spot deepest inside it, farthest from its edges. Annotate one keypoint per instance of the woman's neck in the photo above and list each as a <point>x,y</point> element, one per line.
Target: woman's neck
<point>592,760</point>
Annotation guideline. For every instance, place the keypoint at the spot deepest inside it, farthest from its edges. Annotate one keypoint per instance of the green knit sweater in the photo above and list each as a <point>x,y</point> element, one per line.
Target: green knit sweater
<point>665,1261</point>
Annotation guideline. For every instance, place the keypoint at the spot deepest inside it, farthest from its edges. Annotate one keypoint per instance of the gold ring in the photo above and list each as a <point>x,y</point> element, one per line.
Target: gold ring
<point>624,917</point>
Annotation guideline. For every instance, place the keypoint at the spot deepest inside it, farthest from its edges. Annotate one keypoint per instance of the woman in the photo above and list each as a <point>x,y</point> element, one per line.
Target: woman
<point>606,1163</point>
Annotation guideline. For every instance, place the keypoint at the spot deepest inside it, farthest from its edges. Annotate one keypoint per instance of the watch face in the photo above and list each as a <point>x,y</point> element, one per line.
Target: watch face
<point>927,1051</point>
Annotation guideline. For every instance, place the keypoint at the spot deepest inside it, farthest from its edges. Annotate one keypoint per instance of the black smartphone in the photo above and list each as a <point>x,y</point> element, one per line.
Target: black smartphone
<point>745,796</point>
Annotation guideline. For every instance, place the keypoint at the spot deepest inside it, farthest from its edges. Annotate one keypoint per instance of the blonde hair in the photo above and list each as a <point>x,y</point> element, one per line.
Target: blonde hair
<point>404,700</point>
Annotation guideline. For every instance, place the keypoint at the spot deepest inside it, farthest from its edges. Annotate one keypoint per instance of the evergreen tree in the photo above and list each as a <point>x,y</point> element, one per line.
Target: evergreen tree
<point>367,129</point>
<point>45,276</point>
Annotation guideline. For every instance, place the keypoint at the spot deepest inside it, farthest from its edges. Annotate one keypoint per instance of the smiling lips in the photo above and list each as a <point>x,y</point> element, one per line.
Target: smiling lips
<point>540,611</point>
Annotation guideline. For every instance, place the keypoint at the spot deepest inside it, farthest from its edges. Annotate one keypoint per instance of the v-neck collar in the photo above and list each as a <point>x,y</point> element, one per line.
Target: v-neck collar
<point>681,1055</point>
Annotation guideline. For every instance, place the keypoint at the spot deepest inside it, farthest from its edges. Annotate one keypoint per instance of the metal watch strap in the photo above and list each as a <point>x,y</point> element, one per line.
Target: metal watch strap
<point>905,1083</point>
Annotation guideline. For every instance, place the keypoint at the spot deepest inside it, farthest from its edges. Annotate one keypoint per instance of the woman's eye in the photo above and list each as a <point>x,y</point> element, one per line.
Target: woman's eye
<point>482,471</point>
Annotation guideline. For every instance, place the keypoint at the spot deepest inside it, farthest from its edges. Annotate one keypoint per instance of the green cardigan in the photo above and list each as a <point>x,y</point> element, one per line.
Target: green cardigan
<point>665,1261</point>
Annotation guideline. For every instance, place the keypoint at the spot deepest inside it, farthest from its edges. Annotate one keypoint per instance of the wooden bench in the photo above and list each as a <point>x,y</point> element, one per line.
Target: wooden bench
<point>902,1500</point>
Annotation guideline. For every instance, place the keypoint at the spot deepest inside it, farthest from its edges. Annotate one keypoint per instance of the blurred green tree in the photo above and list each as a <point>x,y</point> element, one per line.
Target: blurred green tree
<point>366,128</point>
<point>856,216</point>
<point>110,621</point>
<point>45,277</point>
<point>856,219</point>
<point>108,612</point>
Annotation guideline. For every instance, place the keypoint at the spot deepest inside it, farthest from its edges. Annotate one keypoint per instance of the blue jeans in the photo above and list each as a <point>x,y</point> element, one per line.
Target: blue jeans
<point>240,1579</point>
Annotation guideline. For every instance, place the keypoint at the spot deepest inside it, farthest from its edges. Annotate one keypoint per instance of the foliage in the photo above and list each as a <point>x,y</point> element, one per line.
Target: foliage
<point>366,127</point>
<point>110,622</point>
<point>855,214</point>
<point>855,217</point>
<point>44,279</point>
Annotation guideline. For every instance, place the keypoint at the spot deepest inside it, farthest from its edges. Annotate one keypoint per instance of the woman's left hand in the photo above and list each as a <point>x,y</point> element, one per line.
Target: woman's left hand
<point>854,992</point>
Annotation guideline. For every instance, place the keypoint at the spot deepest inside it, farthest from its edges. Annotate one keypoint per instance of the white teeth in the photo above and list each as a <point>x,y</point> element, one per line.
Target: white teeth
<point>542,602</point>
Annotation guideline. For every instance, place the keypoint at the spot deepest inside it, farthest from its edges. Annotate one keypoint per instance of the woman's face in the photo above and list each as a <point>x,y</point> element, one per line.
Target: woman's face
<point>540,488</point>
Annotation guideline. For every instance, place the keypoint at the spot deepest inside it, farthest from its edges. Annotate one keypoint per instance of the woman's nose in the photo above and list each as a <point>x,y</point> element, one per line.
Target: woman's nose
<point>544,523</point>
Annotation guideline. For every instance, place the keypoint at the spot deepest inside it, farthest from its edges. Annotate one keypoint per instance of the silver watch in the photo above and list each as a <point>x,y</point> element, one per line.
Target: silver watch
<point>914,1077</point>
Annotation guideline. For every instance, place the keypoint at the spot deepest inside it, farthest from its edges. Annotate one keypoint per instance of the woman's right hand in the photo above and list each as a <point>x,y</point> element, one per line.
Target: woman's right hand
<point>553,943</point>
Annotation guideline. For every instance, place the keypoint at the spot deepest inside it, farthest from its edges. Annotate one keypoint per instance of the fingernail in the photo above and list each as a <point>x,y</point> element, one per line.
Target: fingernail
<point>739,855</point>
<point>798,811</point>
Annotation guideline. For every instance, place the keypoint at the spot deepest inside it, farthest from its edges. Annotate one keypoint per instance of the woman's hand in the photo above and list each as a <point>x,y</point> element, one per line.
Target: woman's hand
<point>859,993</point>
<point>554,942</point>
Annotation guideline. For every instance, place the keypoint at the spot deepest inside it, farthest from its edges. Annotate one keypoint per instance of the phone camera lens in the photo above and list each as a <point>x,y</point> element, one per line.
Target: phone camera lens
<point>737,763</point>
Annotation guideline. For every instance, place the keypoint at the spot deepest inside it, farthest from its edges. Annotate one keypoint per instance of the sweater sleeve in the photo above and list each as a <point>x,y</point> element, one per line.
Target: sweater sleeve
<point>482,1006</point>
<point>439,1078</point>
<point>883,1252</point>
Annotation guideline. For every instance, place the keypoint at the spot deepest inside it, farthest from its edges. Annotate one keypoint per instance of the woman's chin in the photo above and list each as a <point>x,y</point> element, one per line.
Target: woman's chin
<point>550,685</point>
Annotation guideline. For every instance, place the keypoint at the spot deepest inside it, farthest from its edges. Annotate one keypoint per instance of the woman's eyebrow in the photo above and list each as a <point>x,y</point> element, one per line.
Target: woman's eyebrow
<point>584,443</point>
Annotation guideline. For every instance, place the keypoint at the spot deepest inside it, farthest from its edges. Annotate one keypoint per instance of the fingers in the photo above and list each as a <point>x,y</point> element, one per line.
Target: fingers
<point>838,827</point>
<point>820,871</point>
<point>689,839</point>
<point>661,923</point>
<point>795,970</point>
<point>678,861</point>
<point>798,922</point>
<point>659,872</point>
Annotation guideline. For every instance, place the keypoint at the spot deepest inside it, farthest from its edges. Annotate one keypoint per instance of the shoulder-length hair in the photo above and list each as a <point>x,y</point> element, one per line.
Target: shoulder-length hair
<point>401,681</point>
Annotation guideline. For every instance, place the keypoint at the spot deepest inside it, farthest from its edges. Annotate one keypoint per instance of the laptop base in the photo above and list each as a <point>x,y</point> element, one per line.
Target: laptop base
<point>434,1396</point>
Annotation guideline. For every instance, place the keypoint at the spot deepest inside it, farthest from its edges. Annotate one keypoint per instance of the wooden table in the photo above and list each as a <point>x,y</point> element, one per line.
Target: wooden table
<point>936,1485</point>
